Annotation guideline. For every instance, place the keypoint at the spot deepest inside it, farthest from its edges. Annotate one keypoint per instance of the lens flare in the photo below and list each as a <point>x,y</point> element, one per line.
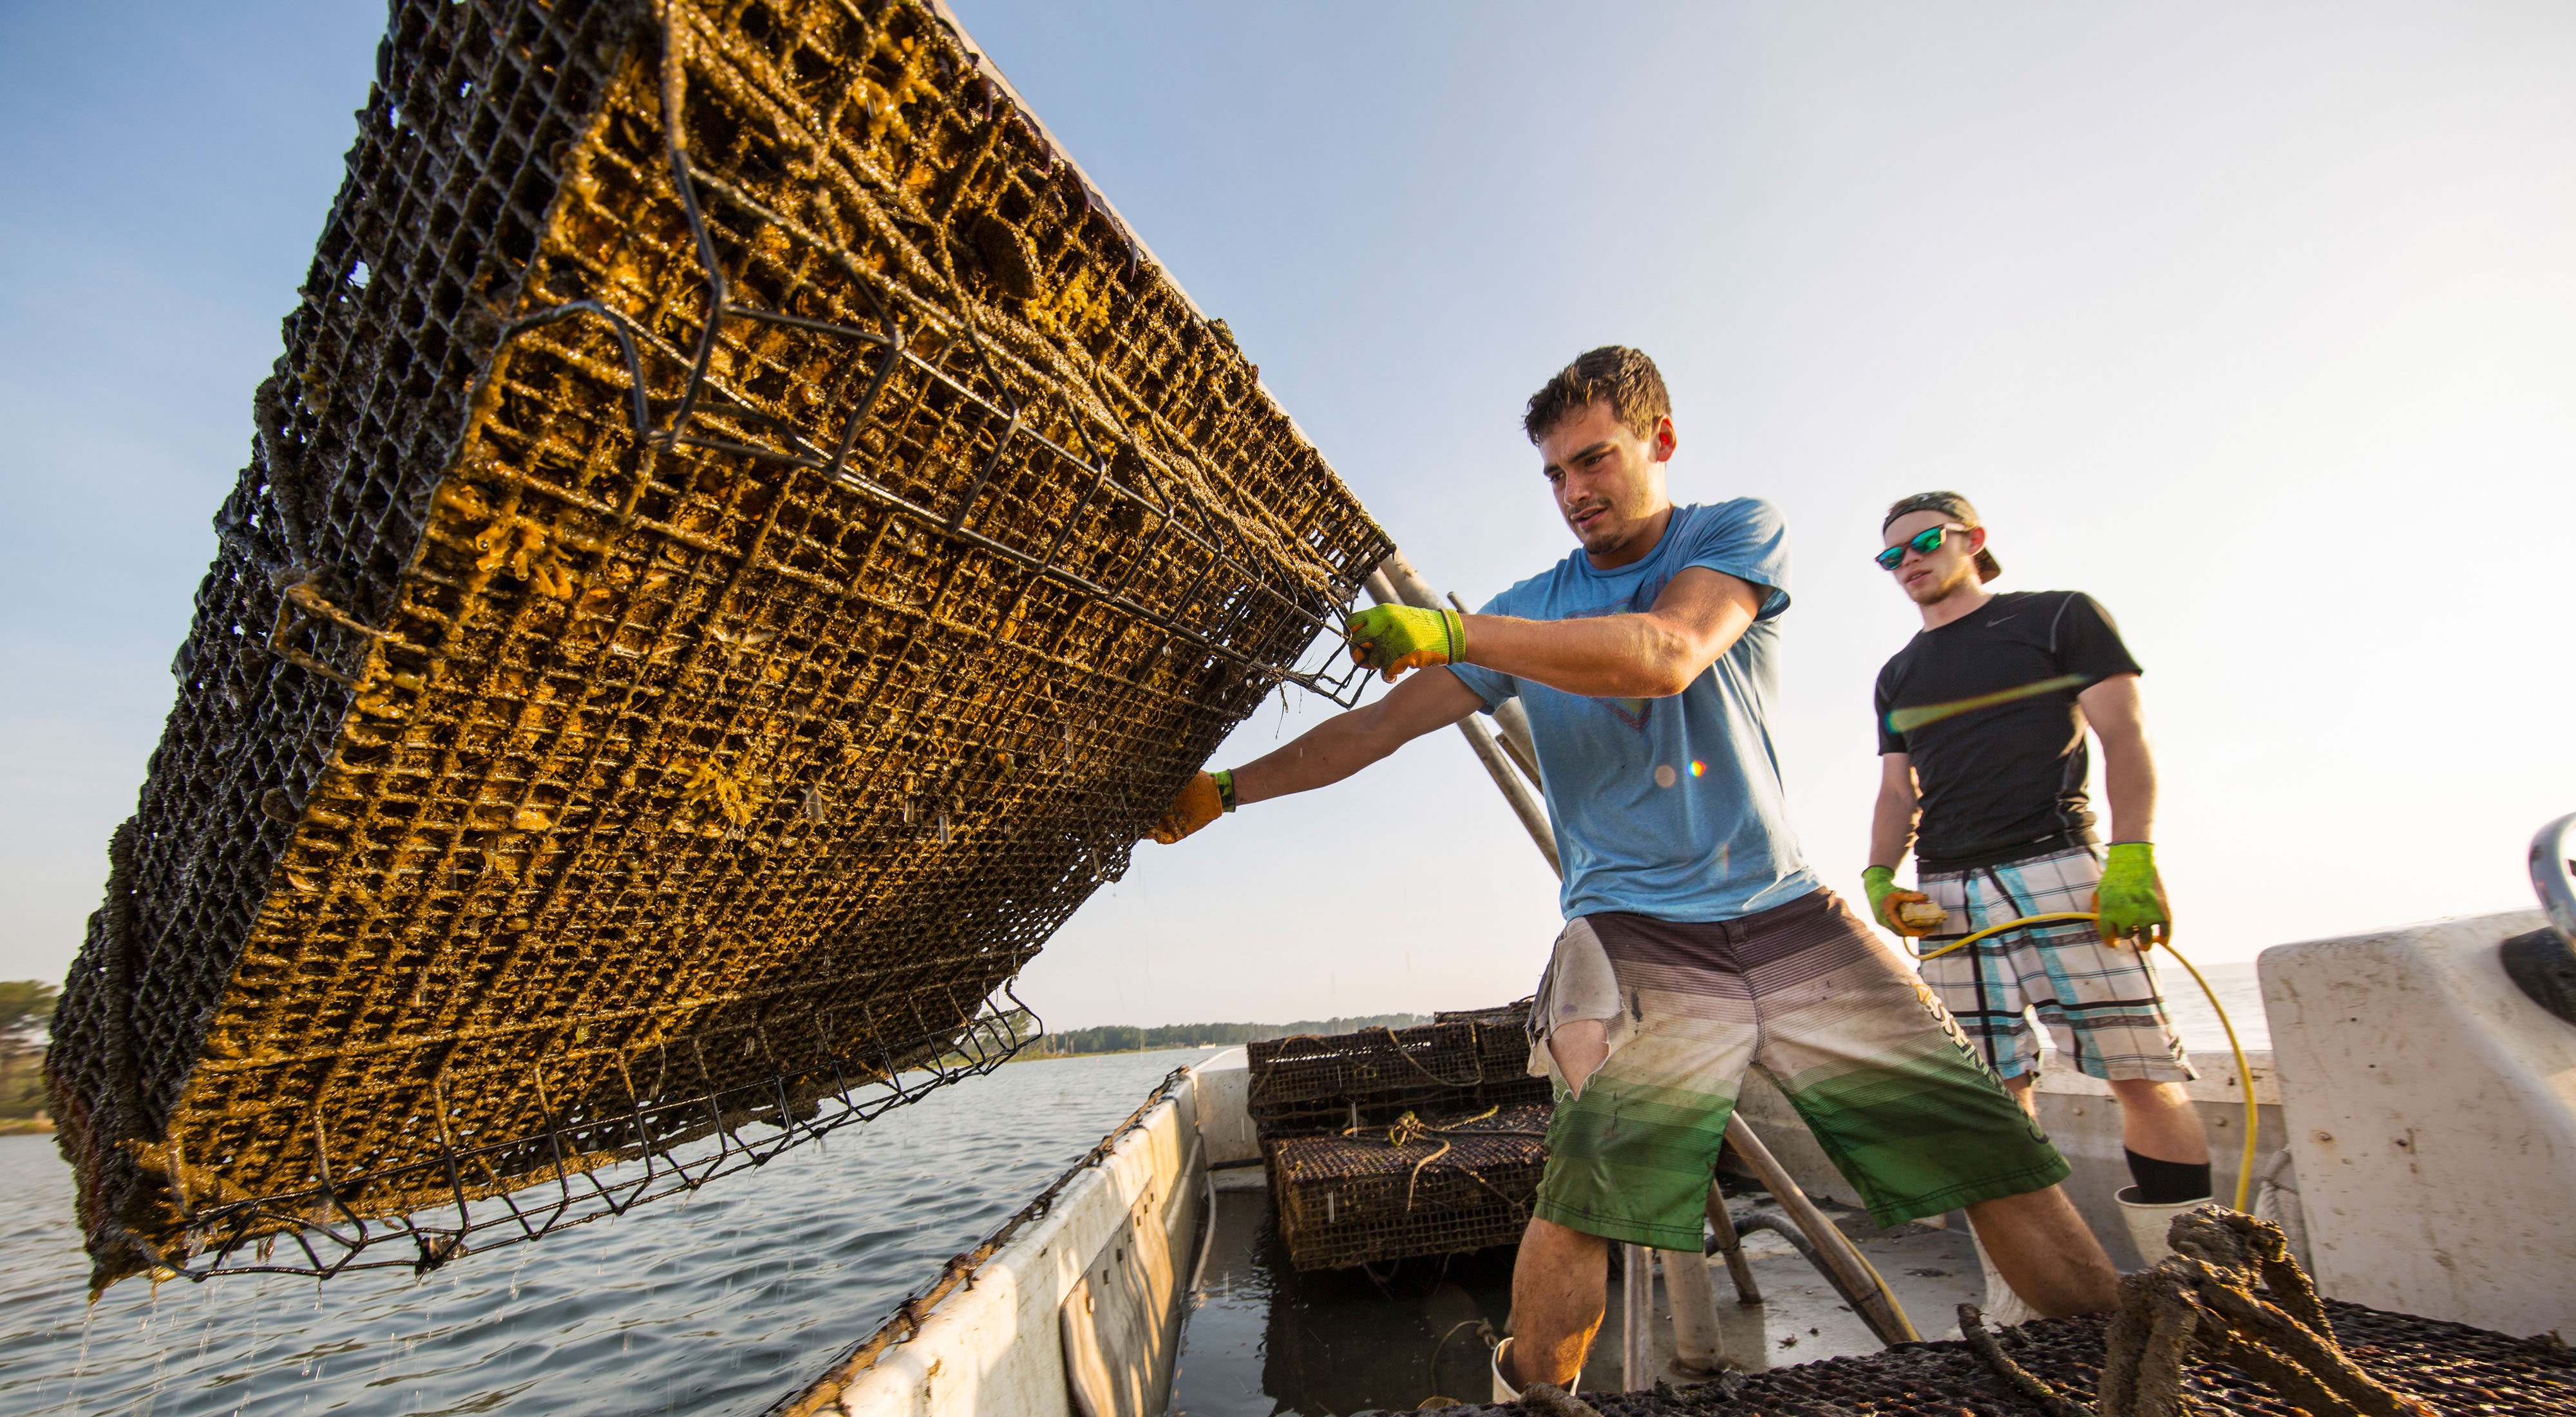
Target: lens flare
<point>1698,768</point>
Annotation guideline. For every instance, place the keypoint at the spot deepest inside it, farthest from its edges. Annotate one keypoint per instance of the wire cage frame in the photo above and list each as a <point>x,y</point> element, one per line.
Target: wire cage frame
<point>1311,1084</point>
<point>741,541</point>
<point>1447,1183</point>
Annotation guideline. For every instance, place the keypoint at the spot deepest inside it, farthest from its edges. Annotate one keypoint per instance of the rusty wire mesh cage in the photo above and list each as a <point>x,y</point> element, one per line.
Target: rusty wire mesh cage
<point>2452,1367</point>
<point>1515,1013</point>
<point>1435,1184</point>
<point>1308,1084</point>
<point>1502,1038</point>
<point>739,543</point>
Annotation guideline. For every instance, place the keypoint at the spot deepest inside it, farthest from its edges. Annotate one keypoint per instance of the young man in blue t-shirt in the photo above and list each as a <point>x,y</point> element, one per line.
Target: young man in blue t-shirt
<point>1697,943</point>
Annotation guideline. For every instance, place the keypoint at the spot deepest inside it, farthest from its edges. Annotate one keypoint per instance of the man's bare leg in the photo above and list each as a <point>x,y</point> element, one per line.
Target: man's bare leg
<point>2158,1119</point>
<point>2043,1250</point>
<point>1560,1278</point>
<point>1560,1284</point>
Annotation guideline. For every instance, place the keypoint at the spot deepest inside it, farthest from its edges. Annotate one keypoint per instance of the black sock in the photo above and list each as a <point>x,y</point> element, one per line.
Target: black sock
<point>2168,1182</point>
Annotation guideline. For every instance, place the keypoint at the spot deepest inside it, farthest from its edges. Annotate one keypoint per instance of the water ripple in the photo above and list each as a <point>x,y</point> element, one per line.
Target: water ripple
<point>717,1302</point>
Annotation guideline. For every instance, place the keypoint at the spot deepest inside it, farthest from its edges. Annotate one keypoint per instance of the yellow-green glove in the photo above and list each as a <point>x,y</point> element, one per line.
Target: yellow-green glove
<point>2131,898</point>
<point>1887,901</point>
<point>1394,638</point>
<point>1202,799</point>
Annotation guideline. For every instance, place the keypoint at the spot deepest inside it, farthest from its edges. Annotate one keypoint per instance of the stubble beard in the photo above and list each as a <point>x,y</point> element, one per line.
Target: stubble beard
<point>1947,586</point>
<point>1615,532</point>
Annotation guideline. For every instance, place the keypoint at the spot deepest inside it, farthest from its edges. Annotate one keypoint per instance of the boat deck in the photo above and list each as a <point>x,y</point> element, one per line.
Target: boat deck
<point>1263,1339</point>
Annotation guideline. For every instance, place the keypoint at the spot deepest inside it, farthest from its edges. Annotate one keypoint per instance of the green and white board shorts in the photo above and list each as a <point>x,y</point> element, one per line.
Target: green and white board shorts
<point>1906,1110</point>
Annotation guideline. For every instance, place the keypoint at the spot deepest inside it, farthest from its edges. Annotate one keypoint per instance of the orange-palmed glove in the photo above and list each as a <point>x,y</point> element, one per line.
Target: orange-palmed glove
<point>1908,913</point>
<point>1203,799</point>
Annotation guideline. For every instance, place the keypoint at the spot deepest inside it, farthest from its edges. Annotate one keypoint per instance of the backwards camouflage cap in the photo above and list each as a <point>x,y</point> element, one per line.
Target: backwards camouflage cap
<point>1953,506</point>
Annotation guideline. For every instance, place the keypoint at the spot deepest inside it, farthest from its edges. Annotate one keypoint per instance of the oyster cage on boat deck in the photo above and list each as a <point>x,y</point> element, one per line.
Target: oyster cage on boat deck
<point>1390,1143</point>
<point>1309,1084</point>
<point>709,598</point>
<point>1445,1184</point>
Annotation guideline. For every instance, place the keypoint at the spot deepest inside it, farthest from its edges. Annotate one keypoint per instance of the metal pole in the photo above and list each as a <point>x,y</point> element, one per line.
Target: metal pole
<point>1637,1307</point>
<point>1833,1247</point>
<point>1512,722</point>
<point>1525,802</point>
<point>1731,1245</point>
<point>1698,1338</point>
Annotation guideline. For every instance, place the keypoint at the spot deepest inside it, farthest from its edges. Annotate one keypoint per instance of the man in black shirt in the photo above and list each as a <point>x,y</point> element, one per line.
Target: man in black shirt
<point>1981,721</point>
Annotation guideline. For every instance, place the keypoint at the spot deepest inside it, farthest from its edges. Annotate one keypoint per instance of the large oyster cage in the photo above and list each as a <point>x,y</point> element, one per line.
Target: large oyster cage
<point>741,541</point>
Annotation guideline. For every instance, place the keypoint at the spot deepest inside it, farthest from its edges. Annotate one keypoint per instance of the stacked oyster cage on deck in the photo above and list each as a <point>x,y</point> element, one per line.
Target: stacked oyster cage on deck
<point>739,543</point>
<point>1390,1143</point>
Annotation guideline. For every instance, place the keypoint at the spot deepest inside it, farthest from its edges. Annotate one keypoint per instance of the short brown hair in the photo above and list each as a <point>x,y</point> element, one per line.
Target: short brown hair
<point>1624,376</point>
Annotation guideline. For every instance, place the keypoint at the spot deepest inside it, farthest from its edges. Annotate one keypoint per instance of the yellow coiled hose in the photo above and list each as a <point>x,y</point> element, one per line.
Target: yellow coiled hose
<point>2244,1070</point>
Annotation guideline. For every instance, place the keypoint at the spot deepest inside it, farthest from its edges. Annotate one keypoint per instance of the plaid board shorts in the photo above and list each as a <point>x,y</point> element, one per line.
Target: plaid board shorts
<point>1806,993</point>
<point>2101,1004</point>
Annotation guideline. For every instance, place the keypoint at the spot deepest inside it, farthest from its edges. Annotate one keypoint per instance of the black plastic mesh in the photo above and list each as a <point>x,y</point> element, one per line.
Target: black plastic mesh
<point>2455,1368</point>
<point>704,607</point>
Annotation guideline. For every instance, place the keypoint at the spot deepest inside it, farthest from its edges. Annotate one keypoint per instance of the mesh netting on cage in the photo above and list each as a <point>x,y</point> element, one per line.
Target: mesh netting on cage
<point>1441,1183</point>
<point>740,542</point>
<point>1312,1084</point>
<point>1391,1143</point>
<point>2451,1367</point>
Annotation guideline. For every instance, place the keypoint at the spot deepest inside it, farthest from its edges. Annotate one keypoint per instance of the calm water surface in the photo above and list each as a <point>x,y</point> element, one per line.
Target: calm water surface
<point>719,1302</point>
<point>2238,991</point>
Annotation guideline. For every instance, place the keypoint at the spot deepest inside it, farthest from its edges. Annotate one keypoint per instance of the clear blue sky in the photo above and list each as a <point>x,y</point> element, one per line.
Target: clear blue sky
<point>2259,323</point>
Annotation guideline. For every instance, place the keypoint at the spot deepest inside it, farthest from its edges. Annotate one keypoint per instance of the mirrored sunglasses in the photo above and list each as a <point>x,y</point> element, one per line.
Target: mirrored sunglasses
<point>1922,543</point>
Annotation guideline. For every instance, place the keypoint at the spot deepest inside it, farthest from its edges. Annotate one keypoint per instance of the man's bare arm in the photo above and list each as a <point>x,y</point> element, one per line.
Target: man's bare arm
<point>1891,826</point>
<point>1649,655</point>
<point>2128,767</point>
<point>1347,742</point>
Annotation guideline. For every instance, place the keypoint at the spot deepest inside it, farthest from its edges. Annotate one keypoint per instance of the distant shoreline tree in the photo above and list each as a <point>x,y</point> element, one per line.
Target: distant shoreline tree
<point>26,1011</point>
<point>1129,1038</point>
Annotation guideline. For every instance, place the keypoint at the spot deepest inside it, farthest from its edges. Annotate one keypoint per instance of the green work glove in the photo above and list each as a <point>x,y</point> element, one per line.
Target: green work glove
<point>2131,899</point>
<point>1203,798</point>
<point>1888,902</point>
<point>1394,638</point>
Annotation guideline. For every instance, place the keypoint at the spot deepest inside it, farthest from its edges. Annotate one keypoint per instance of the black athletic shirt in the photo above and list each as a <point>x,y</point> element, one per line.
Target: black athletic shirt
<point>2005,782</point>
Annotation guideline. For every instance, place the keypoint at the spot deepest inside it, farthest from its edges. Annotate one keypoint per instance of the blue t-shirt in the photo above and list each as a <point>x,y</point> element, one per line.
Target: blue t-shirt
<point>1669,807</point>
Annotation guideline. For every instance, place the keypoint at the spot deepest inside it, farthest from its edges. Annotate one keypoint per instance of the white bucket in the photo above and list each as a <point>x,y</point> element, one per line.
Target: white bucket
<point>2149,1224</point>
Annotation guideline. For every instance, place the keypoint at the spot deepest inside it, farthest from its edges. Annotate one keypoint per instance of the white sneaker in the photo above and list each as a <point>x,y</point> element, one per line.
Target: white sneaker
<point>2003,1308</point>
<point>1503,1391</point>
